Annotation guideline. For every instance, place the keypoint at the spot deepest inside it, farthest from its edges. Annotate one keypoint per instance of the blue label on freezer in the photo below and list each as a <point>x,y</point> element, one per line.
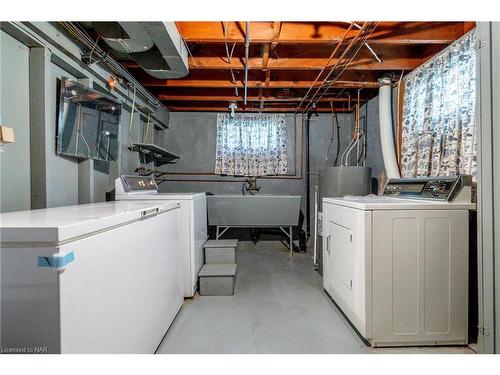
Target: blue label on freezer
<point>56,261</point>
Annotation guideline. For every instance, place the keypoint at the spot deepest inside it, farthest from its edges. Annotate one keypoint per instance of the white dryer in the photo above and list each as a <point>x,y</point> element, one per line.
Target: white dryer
<point>193,223</point>
<point>397,264</point>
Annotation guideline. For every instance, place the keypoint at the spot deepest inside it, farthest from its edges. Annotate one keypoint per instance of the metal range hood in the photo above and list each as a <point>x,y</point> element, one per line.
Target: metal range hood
<point>156,46</point>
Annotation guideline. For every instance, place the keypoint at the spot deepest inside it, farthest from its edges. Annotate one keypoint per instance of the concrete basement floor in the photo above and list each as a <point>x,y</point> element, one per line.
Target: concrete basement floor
<point>279,306</point>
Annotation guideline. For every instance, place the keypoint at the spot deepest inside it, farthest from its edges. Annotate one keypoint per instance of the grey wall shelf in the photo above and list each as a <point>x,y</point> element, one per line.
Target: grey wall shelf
<point>152,152</point>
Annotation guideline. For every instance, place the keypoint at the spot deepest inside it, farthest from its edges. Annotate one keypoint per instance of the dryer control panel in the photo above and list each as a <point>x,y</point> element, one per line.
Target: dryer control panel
<point>449,189</point>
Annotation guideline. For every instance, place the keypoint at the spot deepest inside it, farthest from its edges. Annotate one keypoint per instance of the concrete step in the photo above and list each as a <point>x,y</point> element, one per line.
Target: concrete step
<point>220,251</point>
<point>220,243</point>
<point>217,279</point>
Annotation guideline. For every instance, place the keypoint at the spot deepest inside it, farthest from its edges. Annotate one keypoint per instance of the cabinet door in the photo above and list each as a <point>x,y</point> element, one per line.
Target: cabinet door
<point>420,277</point>
<point>341,253</point>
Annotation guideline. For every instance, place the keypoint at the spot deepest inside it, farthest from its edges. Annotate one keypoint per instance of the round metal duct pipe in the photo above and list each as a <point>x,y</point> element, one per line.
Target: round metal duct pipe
<point>386,129</point>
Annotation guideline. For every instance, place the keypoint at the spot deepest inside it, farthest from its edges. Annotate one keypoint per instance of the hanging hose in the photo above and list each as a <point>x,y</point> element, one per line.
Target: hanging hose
<point>131,119</point>
<point>361,151</point>
<point>344,160</point>
<point>335,133</point>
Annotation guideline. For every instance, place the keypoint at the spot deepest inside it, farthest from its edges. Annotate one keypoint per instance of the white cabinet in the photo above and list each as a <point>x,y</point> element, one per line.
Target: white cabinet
<point>400,276</point>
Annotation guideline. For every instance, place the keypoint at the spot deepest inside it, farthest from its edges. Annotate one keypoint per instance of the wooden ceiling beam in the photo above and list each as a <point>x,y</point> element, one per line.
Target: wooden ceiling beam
<point>285,58</point>
<point>267,80</point>
<point>277,75</point>
<point>214,98</point>
<point>154,82</point>
<point>192,108</point>
<point>325,32</point>
<point>389,63</point>
<point>265,56</point>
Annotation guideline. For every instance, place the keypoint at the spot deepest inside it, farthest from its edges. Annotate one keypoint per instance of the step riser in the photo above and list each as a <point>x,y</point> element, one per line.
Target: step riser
<point>217,285</point>
<point>222,255</point>
<point>218,275</point>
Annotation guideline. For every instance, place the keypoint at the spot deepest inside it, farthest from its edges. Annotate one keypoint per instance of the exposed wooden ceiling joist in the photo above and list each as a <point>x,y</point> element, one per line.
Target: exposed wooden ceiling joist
<point>215,98</point>
<point>253,84</point>
<point>193,108</point>
<point>285,59</point>
<point>325,32</point>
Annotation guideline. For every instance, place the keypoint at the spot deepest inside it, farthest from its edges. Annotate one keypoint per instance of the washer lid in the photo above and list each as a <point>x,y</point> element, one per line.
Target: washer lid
<point>373,202</point>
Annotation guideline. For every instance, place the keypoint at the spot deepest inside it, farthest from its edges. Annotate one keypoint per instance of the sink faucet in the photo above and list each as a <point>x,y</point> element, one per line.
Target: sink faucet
<point>251,185</point>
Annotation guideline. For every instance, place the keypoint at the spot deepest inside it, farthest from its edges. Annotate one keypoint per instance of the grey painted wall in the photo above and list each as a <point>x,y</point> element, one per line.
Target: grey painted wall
<point>192,136</point>
<point>15,193</point>
<point>51,179</point>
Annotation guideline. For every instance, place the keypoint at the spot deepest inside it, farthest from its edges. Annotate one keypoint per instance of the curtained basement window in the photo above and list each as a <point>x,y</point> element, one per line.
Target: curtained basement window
<point>439,128</point>
<point>251,145</point>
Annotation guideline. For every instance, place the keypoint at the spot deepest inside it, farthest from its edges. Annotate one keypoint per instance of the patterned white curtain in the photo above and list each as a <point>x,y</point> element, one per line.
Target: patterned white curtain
<point>439,129</point>
<point>251,145</point>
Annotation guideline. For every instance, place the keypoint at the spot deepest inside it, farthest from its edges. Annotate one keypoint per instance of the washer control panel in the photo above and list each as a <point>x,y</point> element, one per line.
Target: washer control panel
<point>436,188</point>
<point>139,183</point>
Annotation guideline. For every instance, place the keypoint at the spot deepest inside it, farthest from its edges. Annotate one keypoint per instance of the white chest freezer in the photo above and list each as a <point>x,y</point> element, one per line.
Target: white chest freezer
<point>397,265</point>
<point>96,278</point>
<point>193,222</point>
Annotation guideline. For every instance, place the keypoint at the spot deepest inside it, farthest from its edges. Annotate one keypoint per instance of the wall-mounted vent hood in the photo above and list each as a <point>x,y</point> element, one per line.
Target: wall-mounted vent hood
<point>156,46</point>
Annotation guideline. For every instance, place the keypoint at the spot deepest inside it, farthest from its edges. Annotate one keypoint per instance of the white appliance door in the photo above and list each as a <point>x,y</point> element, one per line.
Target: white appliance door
<point>347,262</point>
<point>122,291</point>
<point>342,255</point>
<point>420,277</point>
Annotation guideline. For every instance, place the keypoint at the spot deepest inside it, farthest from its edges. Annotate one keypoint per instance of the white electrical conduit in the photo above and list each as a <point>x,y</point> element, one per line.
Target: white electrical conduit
<point>386,130</point>
<point>131,119</point>
<point>315,224</point>
<point>247,48</point>
<point>369,47</point>
<point>229,57</point>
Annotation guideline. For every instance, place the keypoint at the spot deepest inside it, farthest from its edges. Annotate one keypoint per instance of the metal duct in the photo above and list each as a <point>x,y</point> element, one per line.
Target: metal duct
<point>125,37</point>
<point>386,130</point>
<point>170,59</point>
<point>156,46</point>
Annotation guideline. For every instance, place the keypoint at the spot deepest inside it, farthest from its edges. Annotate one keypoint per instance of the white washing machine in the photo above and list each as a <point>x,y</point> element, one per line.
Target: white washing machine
<point>397,264</point>
<point>193,223</point>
